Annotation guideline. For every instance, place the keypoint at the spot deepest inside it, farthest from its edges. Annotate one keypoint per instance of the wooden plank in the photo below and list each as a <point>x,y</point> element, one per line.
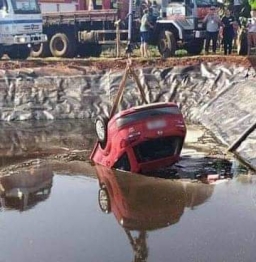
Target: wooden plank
<point>244,135</point>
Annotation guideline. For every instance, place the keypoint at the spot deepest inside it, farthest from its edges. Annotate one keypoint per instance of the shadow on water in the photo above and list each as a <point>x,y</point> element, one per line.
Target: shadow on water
<point>142,204</point>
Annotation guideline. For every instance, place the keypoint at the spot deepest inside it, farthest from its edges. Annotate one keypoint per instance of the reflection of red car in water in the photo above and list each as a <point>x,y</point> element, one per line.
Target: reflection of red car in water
<point>146,203</point>
<point>140,139</point>
<point>141,204</point>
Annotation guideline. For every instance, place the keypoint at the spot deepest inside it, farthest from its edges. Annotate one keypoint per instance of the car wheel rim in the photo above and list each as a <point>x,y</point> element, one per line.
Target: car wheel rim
<point>100,130</point>
<point>104,200</point>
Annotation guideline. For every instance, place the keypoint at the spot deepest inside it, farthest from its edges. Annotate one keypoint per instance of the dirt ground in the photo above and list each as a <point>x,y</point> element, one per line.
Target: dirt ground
<point>120,63</point>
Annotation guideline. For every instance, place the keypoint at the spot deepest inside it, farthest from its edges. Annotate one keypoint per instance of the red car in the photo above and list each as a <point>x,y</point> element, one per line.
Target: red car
<point>140,139</point>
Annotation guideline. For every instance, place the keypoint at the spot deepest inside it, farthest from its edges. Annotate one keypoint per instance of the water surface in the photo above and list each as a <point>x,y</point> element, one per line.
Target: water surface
<point>149,219</point>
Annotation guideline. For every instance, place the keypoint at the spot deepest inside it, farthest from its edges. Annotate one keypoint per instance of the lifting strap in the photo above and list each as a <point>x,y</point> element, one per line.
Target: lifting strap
<point>128,71</point>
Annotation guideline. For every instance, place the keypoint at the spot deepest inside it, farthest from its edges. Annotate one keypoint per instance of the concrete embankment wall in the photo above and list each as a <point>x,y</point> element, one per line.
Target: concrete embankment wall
<point>218,96</point>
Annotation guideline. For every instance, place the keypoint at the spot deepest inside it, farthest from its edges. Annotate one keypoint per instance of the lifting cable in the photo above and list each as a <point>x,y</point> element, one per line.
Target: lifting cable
<point>128,71</point>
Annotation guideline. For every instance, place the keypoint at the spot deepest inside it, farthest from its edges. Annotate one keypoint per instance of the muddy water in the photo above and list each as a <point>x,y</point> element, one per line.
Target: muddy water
<point>94,214</point>
<point>138,219</point>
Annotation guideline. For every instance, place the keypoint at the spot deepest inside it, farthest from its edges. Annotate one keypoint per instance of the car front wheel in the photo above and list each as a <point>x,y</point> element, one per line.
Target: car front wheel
<point>104,200</point>
<point>101,130</point>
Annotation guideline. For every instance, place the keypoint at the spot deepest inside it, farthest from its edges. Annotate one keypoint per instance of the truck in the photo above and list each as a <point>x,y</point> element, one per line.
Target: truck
<point>181,26</point>
<point>21,27</point>
<point>77,27</point>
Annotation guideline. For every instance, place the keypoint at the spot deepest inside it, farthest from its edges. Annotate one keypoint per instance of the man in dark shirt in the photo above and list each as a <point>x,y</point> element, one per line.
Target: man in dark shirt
<point>228,22</point>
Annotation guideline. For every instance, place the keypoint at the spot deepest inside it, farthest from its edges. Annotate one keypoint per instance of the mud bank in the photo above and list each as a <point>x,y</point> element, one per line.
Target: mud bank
<point>218,96</point>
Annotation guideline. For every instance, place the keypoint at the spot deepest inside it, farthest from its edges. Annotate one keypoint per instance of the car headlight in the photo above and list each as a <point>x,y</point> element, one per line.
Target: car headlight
<point>22,40</point>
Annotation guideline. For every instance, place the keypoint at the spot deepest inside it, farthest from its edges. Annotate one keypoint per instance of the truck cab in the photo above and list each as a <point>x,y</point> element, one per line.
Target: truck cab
<point>180,26</point>
<point>20,27</point>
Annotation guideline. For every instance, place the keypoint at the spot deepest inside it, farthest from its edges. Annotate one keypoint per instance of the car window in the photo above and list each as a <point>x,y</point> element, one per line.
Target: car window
<point>153,112</point>
<point>151,150</point>
<point>123,163</point>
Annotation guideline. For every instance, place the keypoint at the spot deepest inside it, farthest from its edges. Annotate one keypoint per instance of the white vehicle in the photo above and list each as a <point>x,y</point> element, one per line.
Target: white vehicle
<point>20,27</point>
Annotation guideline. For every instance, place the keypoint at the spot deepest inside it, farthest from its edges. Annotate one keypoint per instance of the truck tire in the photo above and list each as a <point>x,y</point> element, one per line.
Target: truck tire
<point>195,47</point>
<point>40,50</point>
<point>167,44</point>
<point>62,46</point>
<point>19,52</point>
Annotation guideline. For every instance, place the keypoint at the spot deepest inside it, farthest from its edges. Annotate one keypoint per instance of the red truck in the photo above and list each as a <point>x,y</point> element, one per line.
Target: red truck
<point>81,27</point>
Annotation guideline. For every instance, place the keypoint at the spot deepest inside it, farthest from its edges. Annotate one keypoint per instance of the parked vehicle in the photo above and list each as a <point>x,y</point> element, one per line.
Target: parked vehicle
<point>82,27</point>
<point>140,139</point>
<point>75,28</point>
<point>181,26</point>
<point>20,27</point>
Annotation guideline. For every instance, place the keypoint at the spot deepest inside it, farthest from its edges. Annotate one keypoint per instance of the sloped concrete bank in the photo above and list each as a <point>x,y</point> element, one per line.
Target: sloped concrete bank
<point>218,96</point>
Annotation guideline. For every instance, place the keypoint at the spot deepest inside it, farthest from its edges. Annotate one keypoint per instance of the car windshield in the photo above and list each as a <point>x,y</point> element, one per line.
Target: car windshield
<point>158,148</point>
<point>26,7</point>
<point>145,114</point>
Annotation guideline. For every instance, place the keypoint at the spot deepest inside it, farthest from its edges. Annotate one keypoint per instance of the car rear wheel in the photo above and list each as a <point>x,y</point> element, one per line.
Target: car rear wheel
<point>104,200</point>
<point>101,124</point>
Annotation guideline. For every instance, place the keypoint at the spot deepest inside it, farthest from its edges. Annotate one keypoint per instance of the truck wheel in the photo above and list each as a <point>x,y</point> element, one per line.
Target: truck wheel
<point>195,47</point>
<point>101,125</point>
<point>62,46</point>
<point>167,44</point>
<point>19,52</point>
<point>40,50</point>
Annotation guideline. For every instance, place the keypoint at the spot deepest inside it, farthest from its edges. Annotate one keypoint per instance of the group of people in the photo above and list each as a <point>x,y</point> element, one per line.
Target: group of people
<point>223,29</point>
<point>227,25</point>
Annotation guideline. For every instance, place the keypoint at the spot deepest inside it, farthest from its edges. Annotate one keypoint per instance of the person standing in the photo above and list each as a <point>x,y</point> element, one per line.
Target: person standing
<point>213,23</point>
<point>155,10</point>
<point>145,26</point>
<point>252,4</point>
<point>228,22</point>
<point>251,36</point>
